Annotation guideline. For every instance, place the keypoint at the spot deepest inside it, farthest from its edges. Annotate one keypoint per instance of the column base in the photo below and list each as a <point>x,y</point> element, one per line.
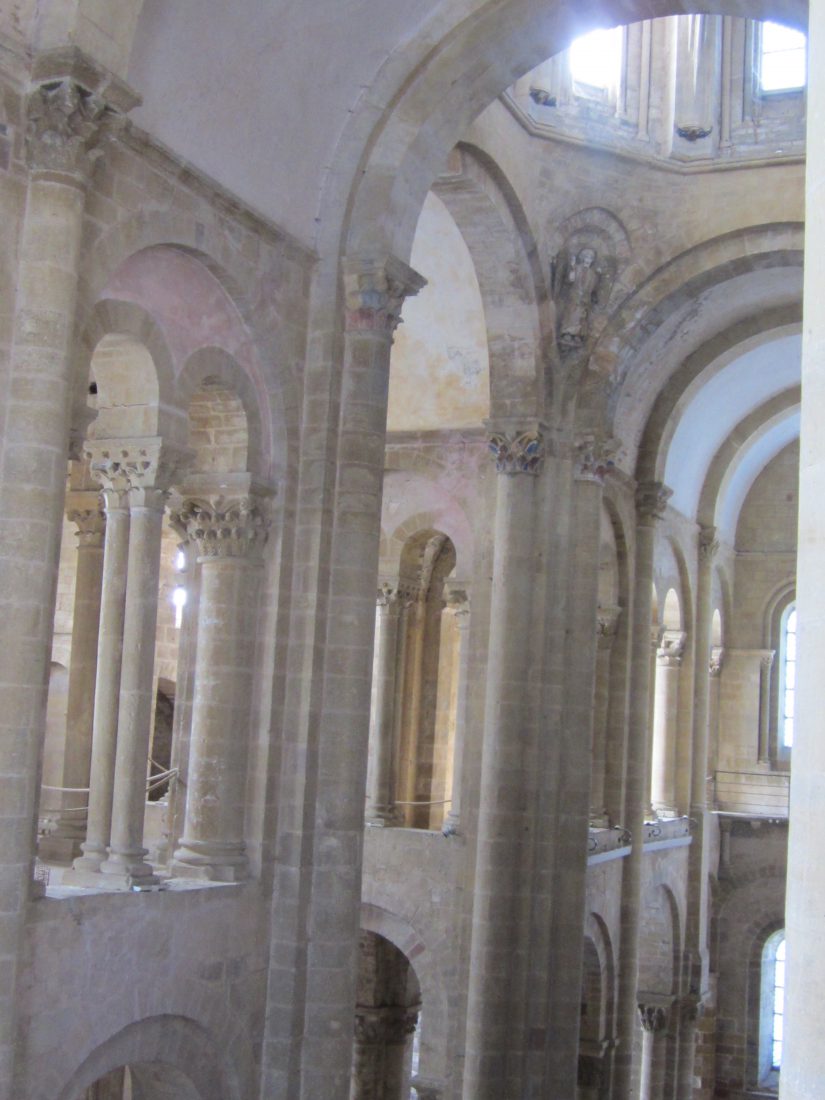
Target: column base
<point>90,860</point>
<point>210,862</point>
<point>128,871</point>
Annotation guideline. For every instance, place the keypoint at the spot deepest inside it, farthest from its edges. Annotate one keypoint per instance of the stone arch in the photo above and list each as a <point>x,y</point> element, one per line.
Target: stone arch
<point>213,365</point>
<point>437,94</point>
<point>487,211</point>
<point>176,1042</point>
<point>111,318</point>
<point>430,970</point>
<point>394,542</point>
<point>219,256</point>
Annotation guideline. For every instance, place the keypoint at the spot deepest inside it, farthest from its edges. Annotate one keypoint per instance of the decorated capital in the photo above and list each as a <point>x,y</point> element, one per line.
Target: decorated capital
<point>374,292</point>
<point>708,544</point>
<point>519,452</point>
<point>220,527</point>
<point>651,500</point>
<point>653,1017</point>
<point>671,648</point>
<point>594,458</point>
<point>64,125</point>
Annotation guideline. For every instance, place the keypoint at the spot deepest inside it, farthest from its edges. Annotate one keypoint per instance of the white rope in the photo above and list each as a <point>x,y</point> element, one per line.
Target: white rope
<point>152,783</point>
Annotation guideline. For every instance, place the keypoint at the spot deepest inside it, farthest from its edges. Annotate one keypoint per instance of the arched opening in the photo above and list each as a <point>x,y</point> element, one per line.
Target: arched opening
<point>143,1081</point>
<point>387,1012</point>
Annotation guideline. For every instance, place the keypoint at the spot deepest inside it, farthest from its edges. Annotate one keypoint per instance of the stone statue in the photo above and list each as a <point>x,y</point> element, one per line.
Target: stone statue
<point>581,282</point>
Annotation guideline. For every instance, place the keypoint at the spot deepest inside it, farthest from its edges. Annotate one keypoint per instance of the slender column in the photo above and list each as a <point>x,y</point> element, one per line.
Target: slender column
<point>803,1058</point>
<point>63,126</point>
<point>653,1018</point>
<point>322,934</point>
<point>607,621</point>
<point>497,946</point>
<point>149,466</point>
<point>229,535</point>
<point>107,678</point>
<point>651,501</point>
<point>765,666</point>
<point>665,719</point>
<point>83,509</point>
<point>381,808</point>
<point>458,601</point>
<point>717,660</point>
<point>592,461</point>
<point>696,944</point>
<point>655,642</point>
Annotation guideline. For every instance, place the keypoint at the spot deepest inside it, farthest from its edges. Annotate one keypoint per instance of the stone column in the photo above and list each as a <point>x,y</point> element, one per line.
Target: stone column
<point>765,668</point>
<point>717,660</point>
<point>458,602</point>
<point>149,466</point>
<point>803,1059</point>
<point>63,126</point>
<point>696,939</point>
<point>381,808</point>
<point>83,509</point>
<point>653,1018</point>
<point>228,535</point>
<point>651,501</point>
<point>320,926</point>
<point>499,937</point>
<point>665,723</point>
<point>607,621</point>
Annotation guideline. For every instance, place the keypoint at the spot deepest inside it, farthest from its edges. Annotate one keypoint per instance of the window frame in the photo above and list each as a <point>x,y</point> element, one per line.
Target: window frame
<point>768,1072</point>
<point>758,53</point>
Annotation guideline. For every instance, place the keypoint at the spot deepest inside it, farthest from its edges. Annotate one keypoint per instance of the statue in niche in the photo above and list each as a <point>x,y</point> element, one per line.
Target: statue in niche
<point>582,281</point>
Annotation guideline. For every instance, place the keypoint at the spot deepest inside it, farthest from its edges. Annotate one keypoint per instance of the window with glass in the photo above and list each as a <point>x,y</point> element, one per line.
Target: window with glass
<point>782,59</point>
<point>772,1014</point>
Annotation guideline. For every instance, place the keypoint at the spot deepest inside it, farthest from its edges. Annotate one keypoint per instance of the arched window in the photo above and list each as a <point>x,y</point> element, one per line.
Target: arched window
<point>787,679</point>
<point>772,1009</point>
<point>782,59</point>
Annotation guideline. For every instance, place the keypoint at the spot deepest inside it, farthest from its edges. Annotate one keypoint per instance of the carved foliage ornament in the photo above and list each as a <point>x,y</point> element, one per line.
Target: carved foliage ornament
<point>594,458</point>
<point>132,465</point>
<point>223,528</point>
<point>521,453</point>
<point>64,125</point>
<point>651,499</point>
<point>375,292</point>
<point>91,525</point>
<point>708,544</point>
<point>653,1018</point>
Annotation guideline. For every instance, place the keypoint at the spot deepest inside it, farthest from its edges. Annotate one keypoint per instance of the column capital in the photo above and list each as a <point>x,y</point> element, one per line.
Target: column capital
<point>519,451</point>
<point>717,659</point>
<point>374,293</point>
<point>223,527</point>
<point>384,1024</point>
<point>653,1016</point>
<point>708,544</point>
<point>136,465</point>
<point>83,508</point>
<point>766,659</point>
<point>389,595</point>
<point>651,500</point>
<point>64,125</point>
<point>594,457</point>
<point>671,648</point>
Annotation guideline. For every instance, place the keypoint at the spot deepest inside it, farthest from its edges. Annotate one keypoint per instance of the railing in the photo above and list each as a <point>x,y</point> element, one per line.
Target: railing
<point>752,794</point>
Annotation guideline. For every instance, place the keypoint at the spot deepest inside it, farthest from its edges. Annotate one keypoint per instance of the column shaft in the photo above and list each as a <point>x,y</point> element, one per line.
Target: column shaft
<point>803,1059</point>
<point>499,926</point>
<point>380,803</point>
<point>452,822</point>
<point>651,499</point>
<point>126,849</point>
<point>213,844</point>
<point>84,511</point>
<point>107,682</point>
<point>62,128</point>
<point>605,632</point>
<point>665,724</point>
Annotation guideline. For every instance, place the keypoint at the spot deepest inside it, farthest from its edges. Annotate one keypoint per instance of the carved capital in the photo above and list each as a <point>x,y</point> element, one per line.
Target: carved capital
<point>651,500</point>
<point>374,292</point>
<point>135,466</point>
<point>717,658</point>
<point>653,1017</point>
<point>64,125</point>
<point>220,527</point>
<point>91,525</point>
<point>388,596</point>
<point>767,659</point>
<point>518,452</point>
<point>594,458</point>
<point>708,544</point>
<point>387,1024</point>
<point>671,648</point>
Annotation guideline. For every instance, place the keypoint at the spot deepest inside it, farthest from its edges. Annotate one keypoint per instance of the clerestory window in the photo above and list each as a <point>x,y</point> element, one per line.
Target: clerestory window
<point>787,683</point>
<point>782,59</point>
<point>596,63</point>
<point>772,1011</point>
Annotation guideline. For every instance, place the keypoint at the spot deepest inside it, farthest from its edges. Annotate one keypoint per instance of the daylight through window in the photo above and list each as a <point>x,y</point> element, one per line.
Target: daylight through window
<point>784,57</point>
